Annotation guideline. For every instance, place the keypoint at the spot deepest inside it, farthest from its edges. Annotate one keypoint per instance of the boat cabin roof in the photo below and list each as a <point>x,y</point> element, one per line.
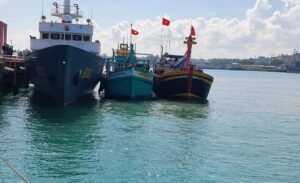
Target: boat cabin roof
<point>166,56</point>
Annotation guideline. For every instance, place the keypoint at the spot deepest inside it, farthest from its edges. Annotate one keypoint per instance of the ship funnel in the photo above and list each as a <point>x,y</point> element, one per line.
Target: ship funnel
<point>67,7</point>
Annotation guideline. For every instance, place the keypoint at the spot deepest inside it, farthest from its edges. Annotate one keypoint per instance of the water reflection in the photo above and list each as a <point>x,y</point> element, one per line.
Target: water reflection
<point>131,109</point>
<point>2,116</point>
<point>63,138</point>
<point>182,110</point>
<point>13,109</point>
<point>128,108</point>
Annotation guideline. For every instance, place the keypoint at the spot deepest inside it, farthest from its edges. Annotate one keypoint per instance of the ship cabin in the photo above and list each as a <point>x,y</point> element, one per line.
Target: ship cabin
<point>125,57</point>
<point>65,32</point>
<point>123,50</point>
<point>167,63</point>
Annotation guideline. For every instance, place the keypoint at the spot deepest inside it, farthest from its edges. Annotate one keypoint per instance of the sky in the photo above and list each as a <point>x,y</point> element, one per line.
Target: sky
<point>225,28</point>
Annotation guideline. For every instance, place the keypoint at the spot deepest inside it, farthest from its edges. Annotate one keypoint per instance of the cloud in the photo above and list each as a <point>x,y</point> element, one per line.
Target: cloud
<point>218,37</point>
<point>291,3</point>
<point>259,7</point>
<point>254,35</point>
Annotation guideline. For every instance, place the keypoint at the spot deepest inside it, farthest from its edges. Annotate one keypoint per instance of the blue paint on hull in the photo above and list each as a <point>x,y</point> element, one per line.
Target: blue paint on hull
<point>129,84</point>
<point>64,73</point>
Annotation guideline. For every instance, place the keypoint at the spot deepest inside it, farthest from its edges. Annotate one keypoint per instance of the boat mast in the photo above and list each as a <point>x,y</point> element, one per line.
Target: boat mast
<point>130,34</point>
<point>132,49</point>
<point>161,50</point>
<point>67,10</point>
<point>190,41</point>
<point>67,7</point>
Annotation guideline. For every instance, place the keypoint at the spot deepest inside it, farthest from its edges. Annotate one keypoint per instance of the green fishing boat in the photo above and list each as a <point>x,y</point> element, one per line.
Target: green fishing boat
<point>128,77</point>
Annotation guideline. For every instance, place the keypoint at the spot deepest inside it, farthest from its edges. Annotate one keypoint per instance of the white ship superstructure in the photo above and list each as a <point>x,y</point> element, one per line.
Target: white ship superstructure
<point>66,32</point>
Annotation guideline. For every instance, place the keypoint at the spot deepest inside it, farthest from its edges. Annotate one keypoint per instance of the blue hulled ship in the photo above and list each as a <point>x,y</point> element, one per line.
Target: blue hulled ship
<point>65,62</point>
<point>128,77</point>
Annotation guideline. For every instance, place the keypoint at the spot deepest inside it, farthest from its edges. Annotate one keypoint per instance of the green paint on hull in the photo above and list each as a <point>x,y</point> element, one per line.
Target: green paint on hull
<point>128,77</point>
<point>129,85</point>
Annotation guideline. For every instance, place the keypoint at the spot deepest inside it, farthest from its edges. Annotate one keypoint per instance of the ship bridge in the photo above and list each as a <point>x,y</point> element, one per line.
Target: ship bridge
<point>66,32</point>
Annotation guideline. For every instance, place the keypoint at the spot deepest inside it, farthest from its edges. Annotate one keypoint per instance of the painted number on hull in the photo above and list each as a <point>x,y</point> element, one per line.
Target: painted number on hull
<point>87,73</point>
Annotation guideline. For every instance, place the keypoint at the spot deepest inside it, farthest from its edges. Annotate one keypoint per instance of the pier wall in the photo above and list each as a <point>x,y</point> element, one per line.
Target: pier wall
<point>13,75</point>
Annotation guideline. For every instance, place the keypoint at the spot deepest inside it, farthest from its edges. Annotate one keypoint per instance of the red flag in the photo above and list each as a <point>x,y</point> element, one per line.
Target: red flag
<point>166,22</point>
<point>134,32</point>
<point>193,32</point>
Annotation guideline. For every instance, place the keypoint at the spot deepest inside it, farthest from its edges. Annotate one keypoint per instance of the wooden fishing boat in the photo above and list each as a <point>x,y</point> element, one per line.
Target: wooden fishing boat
<point>176,78</point>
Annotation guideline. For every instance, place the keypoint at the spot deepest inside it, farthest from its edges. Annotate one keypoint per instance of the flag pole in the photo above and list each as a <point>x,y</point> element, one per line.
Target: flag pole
<point>169,38</point>
<point>161,42</point>
<point>130,34</point>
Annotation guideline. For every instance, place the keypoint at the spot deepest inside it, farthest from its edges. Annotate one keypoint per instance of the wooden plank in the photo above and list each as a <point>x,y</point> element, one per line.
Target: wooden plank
<point>11,59</point>
<point>8,69</point>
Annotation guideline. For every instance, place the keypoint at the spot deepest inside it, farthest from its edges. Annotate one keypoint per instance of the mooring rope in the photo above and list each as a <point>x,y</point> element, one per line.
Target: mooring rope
<point>13,169</point>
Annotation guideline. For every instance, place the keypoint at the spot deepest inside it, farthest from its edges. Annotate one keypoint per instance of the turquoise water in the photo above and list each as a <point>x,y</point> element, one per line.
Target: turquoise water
<point>248,132</point>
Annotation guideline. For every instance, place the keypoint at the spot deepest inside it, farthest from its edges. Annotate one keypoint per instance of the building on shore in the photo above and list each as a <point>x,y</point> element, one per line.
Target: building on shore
<point>3,34</point>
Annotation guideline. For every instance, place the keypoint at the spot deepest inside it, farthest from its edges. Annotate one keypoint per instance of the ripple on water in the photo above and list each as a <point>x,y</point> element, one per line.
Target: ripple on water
<point>248,132</point>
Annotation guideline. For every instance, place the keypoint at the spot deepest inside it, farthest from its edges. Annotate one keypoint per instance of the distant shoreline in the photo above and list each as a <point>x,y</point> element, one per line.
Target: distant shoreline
<point>251,70</point>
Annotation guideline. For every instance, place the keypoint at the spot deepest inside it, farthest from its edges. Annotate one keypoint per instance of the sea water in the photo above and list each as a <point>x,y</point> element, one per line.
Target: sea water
<point>248,132</point>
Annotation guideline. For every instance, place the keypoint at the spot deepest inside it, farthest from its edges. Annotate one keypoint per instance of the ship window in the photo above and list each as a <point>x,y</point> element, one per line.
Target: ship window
<point>77,37</point>
<point>55,36</point>
<point>45,36</point>
<point>63,37</point>
<point>68,36</point>
<point>86,38</point>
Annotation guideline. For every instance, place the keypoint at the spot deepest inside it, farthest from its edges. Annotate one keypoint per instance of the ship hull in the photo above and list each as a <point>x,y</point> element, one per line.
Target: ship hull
<point>64,73</point>
<point>190,85</point>
<point>129,84</point>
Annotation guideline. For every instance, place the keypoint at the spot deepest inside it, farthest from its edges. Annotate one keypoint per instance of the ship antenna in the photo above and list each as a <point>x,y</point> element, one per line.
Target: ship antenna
<point>92,3</point>
<point>92,12</point>
<point>43,17</point>
<point>42,7</point>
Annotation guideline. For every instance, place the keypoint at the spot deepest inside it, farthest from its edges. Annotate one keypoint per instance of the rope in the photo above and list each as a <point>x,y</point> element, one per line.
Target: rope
<point>13,169</point>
